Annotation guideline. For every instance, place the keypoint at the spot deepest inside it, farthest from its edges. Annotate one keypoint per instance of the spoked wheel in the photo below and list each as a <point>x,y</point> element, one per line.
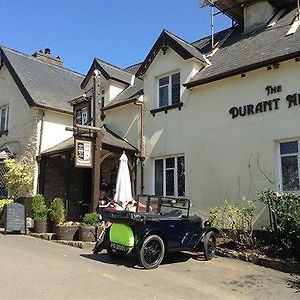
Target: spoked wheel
<point>152,252</point>
<point>115,253</point>
<point>209,245</point>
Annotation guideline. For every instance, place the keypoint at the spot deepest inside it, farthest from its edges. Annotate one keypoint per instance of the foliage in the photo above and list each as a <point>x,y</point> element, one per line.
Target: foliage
<point>284,210</point>
<point>237,219</point>
<point>19,176</point>
<point>39,208</point>
<point>57,210</point>
<point>3,202</point>
<point>91,219</point>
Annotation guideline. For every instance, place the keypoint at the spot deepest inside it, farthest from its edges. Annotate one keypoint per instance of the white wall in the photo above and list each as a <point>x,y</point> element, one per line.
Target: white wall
<point>54,128</point>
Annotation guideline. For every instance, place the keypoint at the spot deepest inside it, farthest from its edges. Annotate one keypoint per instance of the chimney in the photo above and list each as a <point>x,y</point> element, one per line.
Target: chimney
<point>257,14</point>
<point>46,57</point>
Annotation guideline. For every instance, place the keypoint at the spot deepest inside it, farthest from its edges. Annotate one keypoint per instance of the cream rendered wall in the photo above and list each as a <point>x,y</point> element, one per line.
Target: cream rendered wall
<point>54,128</point>
<point>114,89</point>
<point>225,158</point>
<point>22,121</point>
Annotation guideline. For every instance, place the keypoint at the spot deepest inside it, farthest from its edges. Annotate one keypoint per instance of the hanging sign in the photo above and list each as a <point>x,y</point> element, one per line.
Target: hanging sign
<point>83,153</point>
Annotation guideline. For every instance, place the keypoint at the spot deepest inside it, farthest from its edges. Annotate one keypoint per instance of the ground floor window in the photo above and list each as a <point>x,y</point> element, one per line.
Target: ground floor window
<point>289,166</point>
<point>169,176</point>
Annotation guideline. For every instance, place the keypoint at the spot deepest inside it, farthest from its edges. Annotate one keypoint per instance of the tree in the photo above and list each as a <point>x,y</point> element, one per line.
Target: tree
<point>19,176</point>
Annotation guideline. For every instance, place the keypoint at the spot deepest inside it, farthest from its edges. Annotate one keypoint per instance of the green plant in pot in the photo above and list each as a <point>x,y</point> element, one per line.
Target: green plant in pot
<point>67,230</point>
<point>39,213</point>
<point>56,213</point>
<point>90,227</point>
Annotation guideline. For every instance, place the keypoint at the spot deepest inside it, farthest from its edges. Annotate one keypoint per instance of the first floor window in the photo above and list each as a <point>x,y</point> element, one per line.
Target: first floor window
<point>4,119</point>
<point>169,90</point>
<point>169,176</point>
<point>289,166</point>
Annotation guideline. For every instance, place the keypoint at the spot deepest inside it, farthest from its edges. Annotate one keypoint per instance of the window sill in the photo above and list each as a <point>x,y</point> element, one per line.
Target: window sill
<point>166,108</point>
<point>4,132</point>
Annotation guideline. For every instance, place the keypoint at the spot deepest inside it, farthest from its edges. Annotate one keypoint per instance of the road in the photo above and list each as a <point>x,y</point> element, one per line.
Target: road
<point>31,268</point>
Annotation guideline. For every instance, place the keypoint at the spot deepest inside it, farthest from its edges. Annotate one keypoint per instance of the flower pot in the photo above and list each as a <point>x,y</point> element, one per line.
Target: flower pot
<point>51,226</point>
<point>40,226</point>
<point>67,233</point>
<point>89,233</point>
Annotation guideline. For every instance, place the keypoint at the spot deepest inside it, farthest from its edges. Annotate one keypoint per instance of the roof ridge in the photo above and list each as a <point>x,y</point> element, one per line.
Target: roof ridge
<point>111,65</point>
<point>40,61</point>
<point>209,36</point>
<point>130,66</point>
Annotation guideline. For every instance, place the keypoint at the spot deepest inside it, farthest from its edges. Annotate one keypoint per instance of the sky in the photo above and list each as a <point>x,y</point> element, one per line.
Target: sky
<point>120,32</point>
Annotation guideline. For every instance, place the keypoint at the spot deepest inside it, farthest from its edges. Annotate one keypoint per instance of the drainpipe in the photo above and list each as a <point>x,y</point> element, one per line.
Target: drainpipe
<point>142,155</point>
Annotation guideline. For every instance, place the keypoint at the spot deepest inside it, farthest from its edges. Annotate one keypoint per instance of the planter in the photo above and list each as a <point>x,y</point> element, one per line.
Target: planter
<point>67,233</point>
<point>40,226</point>
<point>51,226</point>
<point>89,233</point>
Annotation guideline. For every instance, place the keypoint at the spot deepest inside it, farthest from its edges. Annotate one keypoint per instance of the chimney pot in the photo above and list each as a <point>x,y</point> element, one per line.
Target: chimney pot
<point>47,51</point>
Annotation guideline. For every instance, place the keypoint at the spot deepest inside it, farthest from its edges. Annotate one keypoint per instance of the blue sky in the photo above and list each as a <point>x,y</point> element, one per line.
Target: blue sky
<point>119,31</point>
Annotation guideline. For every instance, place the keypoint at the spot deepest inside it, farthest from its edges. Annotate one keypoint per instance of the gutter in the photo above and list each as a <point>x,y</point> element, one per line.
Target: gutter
<point>241,70</point>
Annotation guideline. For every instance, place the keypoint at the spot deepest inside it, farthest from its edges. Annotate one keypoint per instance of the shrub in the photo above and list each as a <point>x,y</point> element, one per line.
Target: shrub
<point>284,212</point>
<point>18,178</point>
<point>237,219</point>
<point>57,210</point>
<point>3,202</point>
<point>91,219</point>
<point>39,208</point>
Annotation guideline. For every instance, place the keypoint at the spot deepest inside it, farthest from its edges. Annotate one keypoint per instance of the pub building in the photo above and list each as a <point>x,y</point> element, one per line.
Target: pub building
<point>208,120</point>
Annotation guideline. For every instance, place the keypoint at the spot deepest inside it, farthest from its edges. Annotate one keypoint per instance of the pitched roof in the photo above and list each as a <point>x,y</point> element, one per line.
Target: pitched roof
<point>110,139</point>
<point>42,84</point>
<point>243,52</point>
<point>109,71</point>
<point>180,46</point>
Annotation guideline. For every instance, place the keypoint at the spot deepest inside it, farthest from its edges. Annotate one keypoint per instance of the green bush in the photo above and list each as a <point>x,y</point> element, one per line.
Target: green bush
<point>39,208</point>
<point>285,208</point>
<point>3,202</point>
<point>236,219</point>
<point>91,219</point>
<point>57,210</point>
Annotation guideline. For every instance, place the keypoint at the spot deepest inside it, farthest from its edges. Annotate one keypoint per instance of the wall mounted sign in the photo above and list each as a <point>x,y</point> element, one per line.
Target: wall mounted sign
<point>83,153</point>
<point>267,105</point>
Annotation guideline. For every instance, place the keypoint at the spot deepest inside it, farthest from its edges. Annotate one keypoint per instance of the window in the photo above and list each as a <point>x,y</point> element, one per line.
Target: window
<point>4,119</point>
<point>169,176</point>
<point>169,90</point>
<point>289,166</point>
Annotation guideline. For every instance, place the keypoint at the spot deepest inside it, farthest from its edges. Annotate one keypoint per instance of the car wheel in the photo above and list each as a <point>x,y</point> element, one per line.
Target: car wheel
<point>209,245</point>
<point>152,252</point>
<point>114,253</point>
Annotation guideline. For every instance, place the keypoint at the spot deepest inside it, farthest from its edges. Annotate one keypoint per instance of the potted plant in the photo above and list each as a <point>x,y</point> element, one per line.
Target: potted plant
<point>39,213</point>
<point>67,230</point>
<point>56,214</point>
<point>90,227</point>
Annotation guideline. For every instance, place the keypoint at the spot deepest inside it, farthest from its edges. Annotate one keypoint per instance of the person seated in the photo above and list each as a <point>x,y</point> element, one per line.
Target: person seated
<point>132,206</point>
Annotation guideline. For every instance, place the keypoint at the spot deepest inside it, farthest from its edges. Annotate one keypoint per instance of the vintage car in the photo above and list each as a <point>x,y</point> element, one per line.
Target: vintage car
<point>152,234</point>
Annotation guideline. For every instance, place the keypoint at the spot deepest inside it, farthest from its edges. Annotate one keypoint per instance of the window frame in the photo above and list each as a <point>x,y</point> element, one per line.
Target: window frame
<point>5,129</point>
<point>279,155</point>
<point>169,75</point>
<point>175,168</point>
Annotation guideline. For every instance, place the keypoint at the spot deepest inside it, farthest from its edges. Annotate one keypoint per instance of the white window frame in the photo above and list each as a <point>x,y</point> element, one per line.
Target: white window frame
<point>169,88</point>
<point>164,158</point>
<point>84,116</point>
<point>280,163</point>
<point>6,118</point>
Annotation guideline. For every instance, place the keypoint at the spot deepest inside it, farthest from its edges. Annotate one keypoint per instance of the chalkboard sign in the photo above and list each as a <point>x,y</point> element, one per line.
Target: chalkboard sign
<point>14,218</point>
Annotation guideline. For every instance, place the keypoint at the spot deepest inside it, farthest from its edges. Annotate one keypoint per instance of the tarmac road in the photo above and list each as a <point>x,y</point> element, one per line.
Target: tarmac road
<point>36,269</point>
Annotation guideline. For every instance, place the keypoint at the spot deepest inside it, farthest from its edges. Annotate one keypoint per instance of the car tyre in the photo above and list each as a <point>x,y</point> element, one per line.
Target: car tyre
<point>151,252</point>
<point>209,245</point>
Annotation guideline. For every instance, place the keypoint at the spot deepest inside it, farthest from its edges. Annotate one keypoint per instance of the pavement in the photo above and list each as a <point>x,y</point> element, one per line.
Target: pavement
<point>32,268</point>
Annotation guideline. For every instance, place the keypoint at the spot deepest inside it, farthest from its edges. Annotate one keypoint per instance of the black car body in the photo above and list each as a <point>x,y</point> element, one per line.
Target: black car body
<point>161,232</point>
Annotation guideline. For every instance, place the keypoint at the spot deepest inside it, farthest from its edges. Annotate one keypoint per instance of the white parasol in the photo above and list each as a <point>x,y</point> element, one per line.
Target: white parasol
<point>123,187</point>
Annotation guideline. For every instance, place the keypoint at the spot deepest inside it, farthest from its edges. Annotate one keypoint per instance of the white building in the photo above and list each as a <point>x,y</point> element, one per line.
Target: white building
<point>34,95</point>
